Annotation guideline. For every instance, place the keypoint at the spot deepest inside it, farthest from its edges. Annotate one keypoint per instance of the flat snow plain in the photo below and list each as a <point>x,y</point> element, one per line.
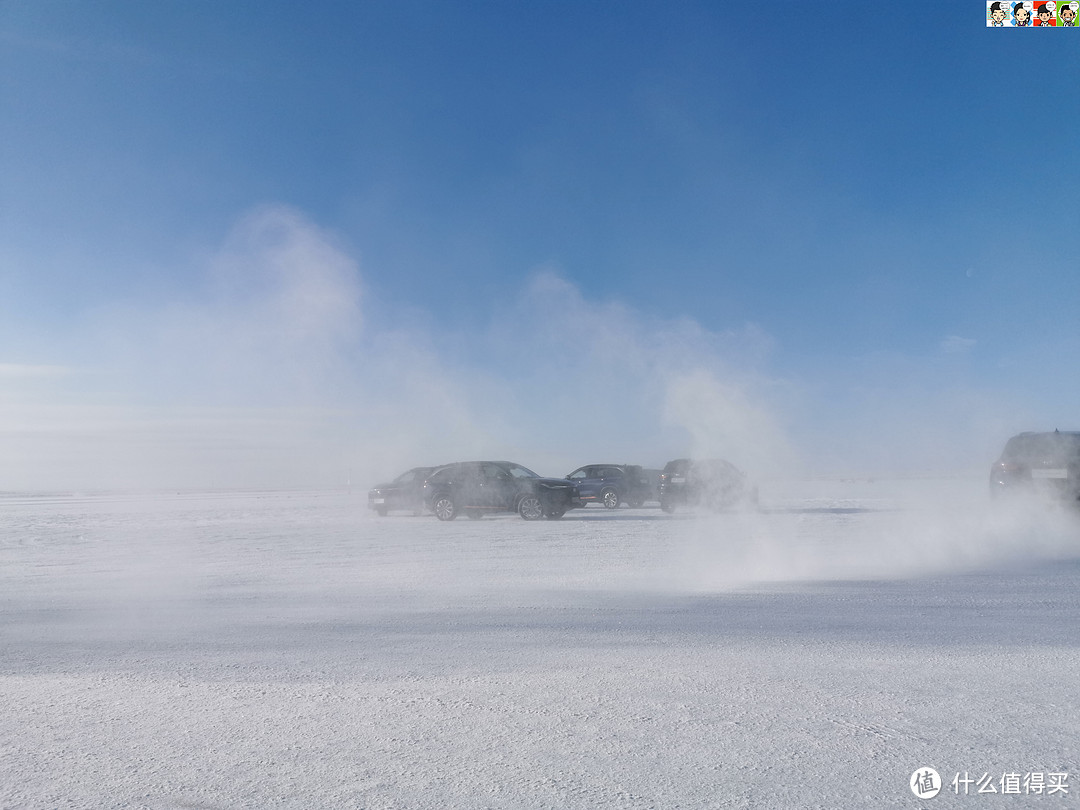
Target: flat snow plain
<point>292,650</point>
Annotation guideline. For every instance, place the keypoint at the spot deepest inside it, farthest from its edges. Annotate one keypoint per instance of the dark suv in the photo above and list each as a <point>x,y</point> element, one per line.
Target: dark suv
<point>712,483</point>
<point>611,484</point>
<point>404,492</point>
<point>1043,463</point>
<point>476,487</point>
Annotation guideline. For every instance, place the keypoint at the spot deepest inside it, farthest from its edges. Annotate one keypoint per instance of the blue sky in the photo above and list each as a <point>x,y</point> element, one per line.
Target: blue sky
<point>231,234</point>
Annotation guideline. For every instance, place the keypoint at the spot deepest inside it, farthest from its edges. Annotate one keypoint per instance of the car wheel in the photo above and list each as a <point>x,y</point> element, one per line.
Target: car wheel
<point>530,508</point>
<point>554,514</point>
<point>473,514</point>
<point>609,498</point>
<point>444,508</point>
<point>637,503</point>
<point>667,506</point>
<point>382,510</point>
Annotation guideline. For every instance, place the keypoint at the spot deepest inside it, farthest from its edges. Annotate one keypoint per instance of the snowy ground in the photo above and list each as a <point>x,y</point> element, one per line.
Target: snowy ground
<point>266,650</point>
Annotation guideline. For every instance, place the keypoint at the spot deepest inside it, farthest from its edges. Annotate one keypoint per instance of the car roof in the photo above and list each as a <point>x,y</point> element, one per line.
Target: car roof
<point>1028,441</point>
<point>1048,433</point>
<point>485,461</point>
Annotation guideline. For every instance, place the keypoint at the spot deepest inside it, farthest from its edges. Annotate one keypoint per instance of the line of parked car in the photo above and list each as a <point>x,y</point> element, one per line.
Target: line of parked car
<point>1045,463</point>
<point>474,488</point>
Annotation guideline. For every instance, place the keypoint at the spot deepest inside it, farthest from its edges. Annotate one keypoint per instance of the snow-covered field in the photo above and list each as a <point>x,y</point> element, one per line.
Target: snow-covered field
<point>284,649</point>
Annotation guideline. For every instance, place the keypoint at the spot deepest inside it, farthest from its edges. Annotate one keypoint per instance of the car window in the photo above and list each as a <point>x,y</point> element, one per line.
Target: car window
<point>441,474</point>
<point>518,471</point>
<point>579,474</point>
<point>611,472</point>
<point>492,472</point>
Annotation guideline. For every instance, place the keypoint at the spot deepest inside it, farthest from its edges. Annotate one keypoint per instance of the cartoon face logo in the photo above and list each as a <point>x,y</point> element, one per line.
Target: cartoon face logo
<point>1022,14</point>
<point>1067,14</point>
<point>998,14</point>
<point>1045,13</point>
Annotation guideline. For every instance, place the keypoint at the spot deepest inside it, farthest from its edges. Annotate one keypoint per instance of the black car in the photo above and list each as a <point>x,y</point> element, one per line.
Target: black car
<point>712,483</point>
<point>1039,463</point>
<point>404,492</point>
<point>611,484</point>
<point>477,487</point>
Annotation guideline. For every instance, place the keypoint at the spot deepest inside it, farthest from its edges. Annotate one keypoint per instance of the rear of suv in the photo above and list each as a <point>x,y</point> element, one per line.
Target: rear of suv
<point>712,483</point>
<point>1045,464</point>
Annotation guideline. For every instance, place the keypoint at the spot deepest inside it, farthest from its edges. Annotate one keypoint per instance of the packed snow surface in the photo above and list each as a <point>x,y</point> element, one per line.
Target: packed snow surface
<point>293,650</point>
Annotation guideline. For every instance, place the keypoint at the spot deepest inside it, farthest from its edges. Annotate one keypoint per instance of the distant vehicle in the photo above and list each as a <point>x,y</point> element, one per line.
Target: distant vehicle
<point>476,487</point>
<point>713,483</point>
<point>1039,463</point>
<point>406,492</point>
<point>611,484</point>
